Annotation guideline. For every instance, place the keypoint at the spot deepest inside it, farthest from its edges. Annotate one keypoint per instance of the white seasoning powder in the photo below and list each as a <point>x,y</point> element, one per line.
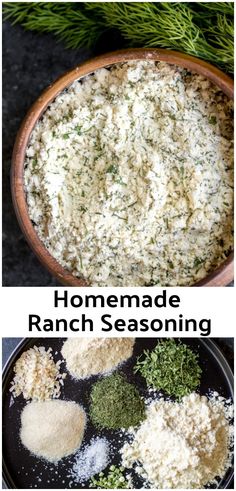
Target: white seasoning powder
<point>182,445</point>
<point>90,460</point>
<point>129,176</point>
<point>52,429</point>
<point>91,356</point>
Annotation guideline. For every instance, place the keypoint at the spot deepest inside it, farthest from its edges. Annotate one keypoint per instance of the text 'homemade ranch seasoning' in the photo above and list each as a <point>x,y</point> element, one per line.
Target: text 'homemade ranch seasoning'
<point>129,176</point>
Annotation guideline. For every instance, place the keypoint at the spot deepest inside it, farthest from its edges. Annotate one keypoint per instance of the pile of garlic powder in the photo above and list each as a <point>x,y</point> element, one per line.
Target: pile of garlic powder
<point>182,445</point>
<point>52,429</point>
<point>129,176</point>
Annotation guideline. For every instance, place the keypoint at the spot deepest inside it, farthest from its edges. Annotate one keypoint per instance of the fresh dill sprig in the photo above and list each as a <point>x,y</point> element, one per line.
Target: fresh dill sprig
<point>171,25</point>
<point>221,7</point>
<point>202,29</point>
<point>68,21</point>
<point>221,36</point>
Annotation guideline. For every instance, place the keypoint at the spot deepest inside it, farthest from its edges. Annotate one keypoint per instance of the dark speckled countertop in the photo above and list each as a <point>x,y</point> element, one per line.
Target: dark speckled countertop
<point>30,63</point>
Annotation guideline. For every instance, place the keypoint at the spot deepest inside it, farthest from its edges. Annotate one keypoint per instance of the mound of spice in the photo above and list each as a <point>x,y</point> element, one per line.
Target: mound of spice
<point>91,356</point>
<point>52,429</point>
<point>115,479</point>
<point>182,445</point>
<point>37,376</point>
<point>115,403</point>
<point>171,367</point>
<point>91,459</point>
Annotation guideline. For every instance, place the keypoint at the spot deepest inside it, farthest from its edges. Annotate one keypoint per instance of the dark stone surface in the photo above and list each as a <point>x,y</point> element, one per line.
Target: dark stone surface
<point>8,346</point>
<point>30,63</point>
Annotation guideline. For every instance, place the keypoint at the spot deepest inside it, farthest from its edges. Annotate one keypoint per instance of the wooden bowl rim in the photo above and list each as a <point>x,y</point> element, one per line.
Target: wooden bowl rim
<point>221,276</point>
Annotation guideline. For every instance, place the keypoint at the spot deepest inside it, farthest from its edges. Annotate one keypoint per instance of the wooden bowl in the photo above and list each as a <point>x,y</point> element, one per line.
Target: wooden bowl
<point>223,274</point>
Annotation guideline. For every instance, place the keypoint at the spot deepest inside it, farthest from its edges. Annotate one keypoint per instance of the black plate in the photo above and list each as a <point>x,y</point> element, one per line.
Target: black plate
<point>22,470</point>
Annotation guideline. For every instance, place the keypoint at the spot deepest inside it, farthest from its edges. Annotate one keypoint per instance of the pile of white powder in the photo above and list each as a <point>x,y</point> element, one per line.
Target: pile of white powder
<point>52,429</point>
<point>129,176</point>
<point>182,445</point>
<point>91,356</point>
<point>91,460</point>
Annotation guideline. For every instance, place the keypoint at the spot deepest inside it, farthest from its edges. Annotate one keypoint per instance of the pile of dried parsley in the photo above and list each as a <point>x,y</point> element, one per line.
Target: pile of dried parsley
<point>171,367</point>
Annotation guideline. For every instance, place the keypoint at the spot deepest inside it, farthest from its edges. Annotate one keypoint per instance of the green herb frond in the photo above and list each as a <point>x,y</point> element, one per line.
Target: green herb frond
<point>174,25</point>
<point>203,29</point>
<point>221,36</point>
<point>17,11</point>
<point>66,20</point>
<point>221,7</point>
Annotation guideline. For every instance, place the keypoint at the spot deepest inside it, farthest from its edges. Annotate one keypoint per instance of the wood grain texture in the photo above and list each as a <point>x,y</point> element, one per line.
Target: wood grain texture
<point>222,275</point>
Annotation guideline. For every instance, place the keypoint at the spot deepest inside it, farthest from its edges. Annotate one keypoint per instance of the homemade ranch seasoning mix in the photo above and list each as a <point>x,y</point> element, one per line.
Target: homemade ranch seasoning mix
<point>129,176</point>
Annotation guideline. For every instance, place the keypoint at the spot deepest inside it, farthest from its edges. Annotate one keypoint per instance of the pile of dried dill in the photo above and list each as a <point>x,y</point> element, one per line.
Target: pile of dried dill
<point>115,403</point>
